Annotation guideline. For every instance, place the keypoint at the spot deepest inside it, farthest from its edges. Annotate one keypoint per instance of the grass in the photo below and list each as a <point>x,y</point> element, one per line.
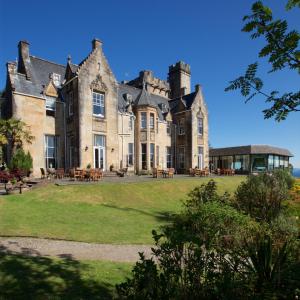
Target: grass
<point>46,278</point>
<point>118,213</point>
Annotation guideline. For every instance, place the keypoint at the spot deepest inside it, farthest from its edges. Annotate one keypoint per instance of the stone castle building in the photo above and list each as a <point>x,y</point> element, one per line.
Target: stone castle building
<point>81,115</point>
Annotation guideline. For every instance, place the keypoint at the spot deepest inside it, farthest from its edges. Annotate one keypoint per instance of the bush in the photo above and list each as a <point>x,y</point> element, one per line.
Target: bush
<point>21,161</point>
<point>261,196</point>
<point>213,250</point>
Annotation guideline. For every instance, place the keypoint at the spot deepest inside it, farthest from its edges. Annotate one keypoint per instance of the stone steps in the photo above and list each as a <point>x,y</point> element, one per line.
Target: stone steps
<point>109,174</point>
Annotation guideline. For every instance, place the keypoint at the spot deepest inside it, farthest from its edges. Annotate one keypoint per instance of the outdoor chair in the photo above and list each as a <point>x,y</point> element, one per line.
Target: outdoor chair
<point>192,172</point>
<point>77,174</point>
<point>170,172</point>
<point>98,174</point>
<point>72,174</point>
<point>60,173</point>
<point>43,173</point>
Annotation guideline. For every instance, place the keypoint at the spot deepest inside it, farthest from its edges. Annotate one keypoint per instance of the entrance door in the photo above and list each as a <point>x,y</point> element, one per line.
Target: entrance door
<point>200,158</point>
<point>99,152</point>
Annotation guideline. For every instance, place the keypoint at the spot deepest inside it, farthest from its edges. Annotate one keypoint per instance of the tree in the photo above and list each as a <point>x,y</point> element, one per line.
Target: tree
<point>282,52</point>
<point>14,132</point>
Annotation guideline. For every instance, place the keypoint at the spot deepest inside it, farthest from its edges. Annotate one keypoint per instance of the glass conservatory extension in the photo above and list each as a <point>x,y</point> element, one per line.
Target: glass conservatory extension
<point>249,159</point>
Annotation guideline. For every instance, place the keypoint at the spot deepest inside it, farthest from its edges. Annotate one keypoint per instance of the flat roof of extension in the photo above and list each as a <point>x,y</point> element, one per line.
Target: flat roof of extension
<point>249,149</point>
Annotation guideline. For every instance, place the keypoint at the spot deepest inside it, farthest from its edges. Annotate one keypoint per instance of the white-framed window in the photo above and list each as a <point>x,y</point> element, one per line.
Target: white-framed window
<point>152,155</point>
<point>99,151</point>
<point>98,105</point>
<point>200,125</point>
<point>168,127</point>
<point>70,103</point>
<point>151,121</point>
<point>200,157</point>
<point>50,103</point>
<point>130,154</point>
<point>56,79</point>
<point>181,127</point>
<point>131,123</point>
<point>51,142</point>
<point>169,157</point>
<point>143,120</point>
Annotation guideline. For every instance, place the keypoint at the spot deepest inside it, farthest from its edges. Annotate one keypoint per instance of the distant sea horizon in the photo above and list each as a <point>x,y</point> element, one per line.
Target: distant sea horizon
<point>296,172</point>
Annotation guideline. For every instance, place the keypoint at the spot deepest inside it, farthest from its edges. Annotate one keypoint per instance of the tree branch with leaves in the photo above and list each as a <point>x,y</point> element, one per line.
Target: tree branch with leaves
<point>282,51</point>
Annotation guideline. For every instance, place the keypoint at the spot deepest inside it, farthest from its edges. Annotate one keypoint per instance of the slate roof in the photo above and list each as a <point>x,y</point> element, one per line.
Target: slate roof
<point>40,71</point>
<point>187,100</point>
<point>142,97</point>
<point>249,149</point>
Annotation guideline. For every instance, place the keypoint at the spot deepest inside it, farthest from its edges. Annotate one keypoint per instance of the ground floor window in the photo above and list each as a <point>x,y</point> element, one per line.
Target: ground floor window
<point>181,157</point>
<point>169,157</point>
<point>152,155</point>
<point>157,156</point>
<point>130,154</point>
<point>200,157</point>
<point>99,151</point>
<point>259,163</point>
<point>144,156</point>
<point>241,163</point>
<point>51,151</point>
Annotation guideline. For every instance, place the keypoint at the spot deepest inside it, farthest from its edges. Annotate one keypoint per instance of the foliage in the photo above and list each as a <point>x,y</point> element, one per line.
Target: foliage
<point>282,51</point>
<point>15,132</point>
<point>21,161</point>
<point>213,250</point>
<point>261,196</point>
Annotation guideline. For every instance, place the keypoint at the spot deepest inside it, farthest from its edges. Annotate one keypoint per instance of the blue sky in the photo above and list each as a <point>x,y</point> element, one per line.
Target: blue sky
<point>154,34</point>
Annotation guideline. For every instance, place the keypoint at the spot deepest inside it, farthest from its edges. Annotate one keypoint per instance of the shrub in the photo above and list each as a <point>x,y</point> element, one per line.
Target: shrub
<point>21,161</point>
<point>213,250</point>
<point>261,196</point>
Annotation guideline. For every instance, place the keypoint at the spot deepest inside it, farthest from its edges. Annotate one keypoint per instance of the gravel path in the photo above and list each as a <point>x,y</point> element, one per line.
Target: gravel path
<point>74,250</point>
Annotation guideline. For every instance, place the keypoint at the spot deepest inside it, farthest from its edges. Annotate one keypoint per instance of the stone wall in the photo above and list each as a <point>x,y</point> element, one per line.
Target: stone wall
<point>95,75</point>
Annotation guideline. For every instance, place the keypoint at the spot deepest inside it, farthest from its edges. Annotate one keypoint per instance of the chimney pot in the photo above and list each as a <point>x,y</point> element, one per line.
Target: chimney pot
<point>197,87</point>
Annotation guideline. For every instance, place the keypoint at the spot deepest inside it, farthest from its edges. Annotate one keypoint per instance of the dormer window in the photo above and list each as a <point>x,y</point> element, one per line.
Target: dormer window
<point>56,79</point>
<point>98,105</point>
<point>50,103</point>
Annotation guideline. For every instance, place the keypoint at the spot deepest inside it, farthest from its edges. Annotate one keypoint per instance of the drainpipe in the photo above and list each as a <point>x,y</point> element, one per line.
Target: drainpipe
<point>65,132</point>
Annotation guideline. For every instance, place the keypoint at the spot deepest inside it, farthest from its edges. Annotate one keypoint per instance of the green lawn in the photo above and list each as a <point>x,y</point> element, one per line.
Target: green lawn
<point>118,213</point>
<point>45,278</point>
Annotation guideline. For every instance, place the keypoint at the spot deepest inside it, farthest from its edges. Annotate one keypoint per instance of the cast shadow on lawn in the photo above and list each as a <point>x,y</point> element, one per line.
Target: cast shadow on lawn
<point>164,216</point>
<point>34,277</point>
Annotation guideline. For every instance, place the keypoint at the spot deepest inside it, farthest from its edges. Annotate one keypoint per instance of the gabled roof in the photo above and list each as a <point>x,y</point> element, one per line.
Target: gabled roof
<point>141,97</point>
<point>40,71</point>
<point>187,100</point>
<point>249,149</point>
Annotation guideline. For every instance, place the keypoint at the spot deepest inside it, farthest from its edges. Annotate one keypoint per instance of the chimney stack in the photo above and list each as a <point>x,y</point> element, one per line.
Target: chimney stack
<point>197,88</point>
<point>96,43</point>
<point>24,59</point>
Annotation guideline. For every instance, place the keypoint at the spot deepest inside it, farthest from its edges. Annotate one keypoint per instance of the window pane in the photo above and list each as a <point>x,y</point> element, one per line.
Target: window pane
<point>99,140</point>
<point>144,156</point>
<point>98,104</point>
<point>143,120</point>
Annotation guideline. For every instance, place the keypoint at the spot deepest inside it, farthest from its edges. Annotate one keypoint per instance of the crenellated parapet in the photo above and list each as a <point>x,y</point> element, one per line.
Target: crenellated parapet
<point>155,85</point>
